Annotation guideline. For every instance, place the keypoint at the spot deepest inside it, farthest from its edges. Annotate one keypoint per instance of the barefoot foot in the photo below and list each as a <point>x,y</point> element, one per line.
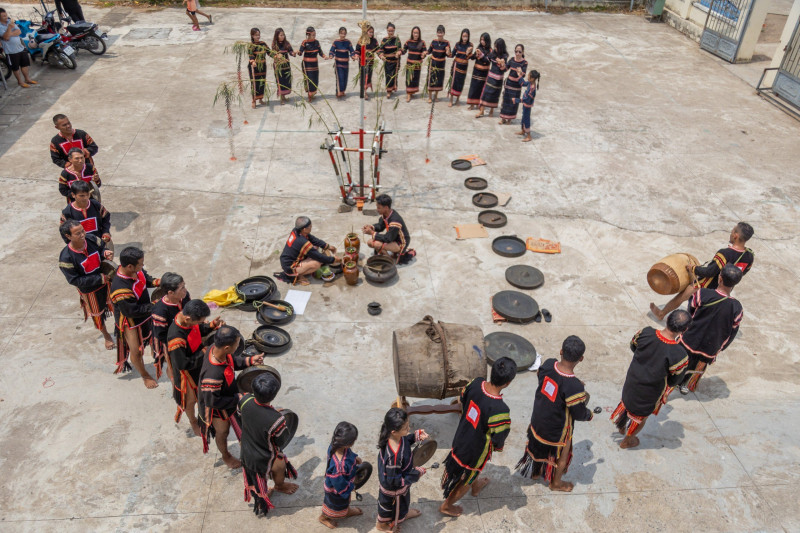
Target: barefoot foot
<point>354,511</point>
<point>629,442</point>
<point>149,382</point>
<point>413,513</point>
<point>562,486</point>
<point>327,522</point>
<point>451,510</point>
<point>195,427</point>
<point>286,487</point>
<point>232,462</point>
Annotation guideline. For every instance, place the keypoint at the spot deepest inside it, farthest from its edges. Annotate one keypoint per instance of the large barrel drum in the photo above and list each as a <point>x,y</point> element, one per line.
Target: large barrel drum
<point>669,276</point>
<point>436,360</point>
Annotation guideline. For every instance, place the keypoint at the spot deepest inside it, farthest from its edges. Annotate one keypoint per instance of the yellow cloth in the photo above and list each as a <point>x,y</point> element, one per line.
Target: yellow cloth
<point>223,298</point>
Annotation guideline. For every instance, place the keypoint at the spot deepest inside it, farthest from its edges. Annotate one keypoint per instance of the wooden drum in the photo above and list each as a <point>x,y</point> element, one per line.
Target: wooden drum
<point>436,360</point>
<point>669,276</point>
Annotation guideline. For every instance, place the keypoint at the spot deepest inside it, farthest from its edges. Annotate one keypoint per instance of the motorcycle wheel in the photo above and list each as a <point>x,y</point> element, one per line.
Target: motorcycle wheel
<point>94,44</point>
<point>5,70</point>
<point>67,61</point>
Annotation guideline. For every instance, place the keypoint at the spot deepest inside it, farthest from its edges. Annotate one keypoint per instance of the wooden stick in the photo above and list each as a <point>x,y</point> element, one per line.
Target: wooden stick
<point>276,306</point>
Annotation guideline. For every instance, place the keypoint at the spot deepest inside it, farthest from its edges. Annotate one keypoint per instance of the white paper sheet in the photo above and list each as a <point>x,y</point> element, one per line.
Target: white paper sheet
<point>298,299</point>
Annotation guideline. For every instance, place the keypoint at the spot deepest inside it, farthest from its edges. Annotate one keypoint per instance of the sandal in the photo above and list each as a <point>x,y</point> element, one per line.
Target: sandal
<point>538,317</point>
<point>547,316</point>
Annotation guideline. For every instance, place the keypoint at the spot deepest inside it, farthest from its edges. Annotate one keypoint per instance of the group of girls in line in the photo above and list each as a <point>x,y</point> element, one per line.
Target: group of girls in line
<point>396,472</point>
<point>488,83</point>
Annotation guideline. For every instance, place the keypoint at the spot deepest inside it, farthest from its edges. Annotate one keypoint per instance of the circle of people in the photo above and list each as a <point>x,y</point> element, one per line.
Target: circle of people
<point>201,358</point>
<point>492,62</point>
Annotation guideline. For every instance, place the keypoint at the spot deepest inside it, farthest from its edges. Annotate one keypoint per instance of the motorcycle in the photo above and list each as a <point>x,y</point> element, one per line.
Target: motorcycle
<point>47,46</point>
<point>85,35</point>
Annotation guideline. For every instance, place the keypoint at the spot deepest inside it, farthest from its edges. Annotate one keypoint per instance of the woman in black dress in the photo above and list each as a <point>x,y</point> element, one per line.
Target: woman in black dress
<point>517,66</point>
<point>390,51</point>
<point>281,50</point>
<point>415,48</point>
<point>439,52</point>
<point>371,50</point>
<point>494,80</point>
<point>479,71</point>
<point>258,65</point>
<point>458,72</point>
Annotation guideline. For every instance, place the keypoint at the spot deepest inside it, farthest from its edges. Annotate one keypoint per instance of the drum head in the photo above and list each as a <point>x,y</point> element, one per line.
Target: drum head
<point>283,440</point>
<point>423,452</point>
<point>267,315</point>
<point>504,344</point>
<point>272,339</point>
<point>484,200</point>
<point>363,472</point>
<point>515,306</point>
<point>245,378</point>
<point>476,184</point>
<point>461,164</point>
<point>492,219</point>
<point>524,277</point>
<point>509,246</point>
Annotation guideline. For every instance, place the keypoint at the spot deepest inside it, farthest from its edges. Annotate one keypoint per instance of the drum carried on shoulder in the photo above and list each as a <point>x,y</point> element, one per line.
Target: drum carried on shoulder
<point>669,275</point>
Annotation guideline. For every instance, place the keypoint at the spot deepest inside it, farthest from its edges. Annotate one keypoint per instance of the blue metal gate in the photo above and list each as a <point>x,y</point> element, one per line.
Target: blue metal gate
<point>787,79</point>
<point>725,25</point>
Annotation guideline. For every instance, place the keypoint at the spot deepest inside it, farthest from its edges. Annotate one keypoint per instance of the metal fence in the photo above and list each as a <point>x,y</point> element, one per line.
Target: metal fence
<point>725,25</point>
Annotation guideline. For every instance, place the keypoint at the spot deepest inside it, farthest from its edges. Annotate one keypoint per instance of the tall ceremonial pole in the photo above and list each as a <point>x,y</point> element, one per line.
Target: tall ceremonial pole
<point>363,78</point>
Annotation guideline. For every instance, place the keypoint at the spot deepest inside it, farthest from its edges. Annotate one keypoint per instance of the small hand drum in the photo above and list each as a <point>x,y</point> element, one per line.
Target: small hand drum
<point>423,452</point>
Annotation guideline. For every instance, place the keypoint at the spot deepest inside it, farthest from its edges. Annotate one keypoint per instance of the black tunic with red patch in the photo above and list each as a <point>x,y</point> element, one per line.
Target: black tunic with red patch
<point>708,274</point>
<point>560,400</point>
<point>715,323</point>
<point>396,231</point>
<point>185,350</point>
<point>60,147</point>
<point>132,306</point>
<point>164,313</point>
<point>69,176</point>
<point>658,363</point>
<point>218,389</point>
<point>82,268</point>
<point>95,219</point>
<point>298,248</point>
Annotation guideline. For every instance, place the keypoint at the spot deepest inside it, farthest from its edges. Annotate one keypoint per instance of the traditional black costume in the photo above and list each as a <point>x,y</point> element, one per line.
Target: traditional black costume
<point>339,483</point>
<point>396,231</point>
<point>479,72</point>
<point>438,53</point>
<point>513,88</point>
<point>82,270</point>
<point>282,67</point>
<point>164,313</point>
<point>389,48</point>
<point>342,51</point>
<point>298,248</point>
<point>185,351</point>
<point>258,69</point>
<point>311,51</point>
<point>658,365</point>
<point>95,219</point>
<point>261,425</point>
<point>494,81</point>
<point>217,394</point>
<point>60,147</point>
<point>715,323</point>
<point>458,70</point>
<point>69,176</point>
<point>396,473</point>
<point>371,48</point>
<point>132,308</point>
<point>560,401</point>
<point>708,274</point>
<point>414,49</point>
<point>483,428</point>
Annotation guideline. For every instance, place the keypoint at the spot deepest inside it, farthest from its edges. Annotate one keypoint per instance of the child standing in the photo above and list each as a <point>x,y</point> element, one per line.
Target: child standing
<point>396,470</point>
<point>342,51</point>
<point>192,10</point>
<point>339,476</point>
<point>527,97</point>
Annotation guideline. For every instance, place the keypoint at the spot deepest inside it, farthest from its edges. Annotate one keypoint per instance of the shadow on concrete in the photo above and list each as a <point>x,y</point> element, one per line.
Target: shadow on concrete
<point>712,388</point>
<point>53,77</point>
<point>657,434</point>
<point>121,221</point>
<point>583,468</point>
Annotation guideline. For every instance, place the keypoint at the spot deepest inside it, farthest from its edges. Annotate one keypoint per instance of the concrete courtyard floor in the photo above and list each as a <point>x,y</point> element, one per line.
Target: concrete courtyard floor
<point>644,146</point>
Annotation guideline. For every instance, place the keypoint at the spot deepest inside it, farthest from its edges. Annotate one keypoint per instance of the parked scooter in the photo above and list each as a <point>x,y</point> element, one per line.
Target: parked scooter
<point>47,46</point>
<point>82,34</point>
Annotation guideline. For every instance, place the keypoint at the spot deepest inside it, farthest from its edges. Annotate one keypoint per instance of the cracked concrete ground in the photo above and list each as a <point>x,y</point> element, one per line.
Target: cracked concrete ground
<point>644,146</point>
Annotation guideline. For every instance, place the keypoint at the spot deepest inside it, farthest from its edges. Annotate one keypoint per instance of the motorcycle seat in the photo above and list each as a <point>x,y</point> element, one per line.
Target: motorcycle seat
<point>41,37</point>
<point>79,27</point>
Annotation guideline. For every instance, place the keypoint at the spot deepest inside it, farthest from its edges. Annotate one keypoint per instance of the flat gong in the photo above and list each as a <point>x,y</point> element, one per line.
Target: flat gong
<point>515,306</point>
<point>509,246</point>
<point>283,438</point>
<point>423,452</point>
<point>492,219</point>
<point>484,199</point>
<point>156,294</point>
<point>245,378</point>
<point>272,339</point>
<point>363,472</point>
<point>269,315</point>
<point>461,164</point>
<point>476,184</point>
<point>524,276</point>
<point>504,344</point>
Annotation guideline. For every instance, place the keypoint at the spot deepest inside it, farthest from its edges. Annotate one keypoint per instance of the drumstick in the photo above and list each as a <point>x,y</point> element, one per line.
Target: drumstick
<point>276,306</point>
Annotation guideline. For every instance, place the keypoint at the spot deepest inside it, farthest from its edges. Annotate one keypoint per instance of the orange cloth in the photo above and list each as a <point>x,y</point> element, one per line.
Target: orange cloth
<point>543,246</point>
